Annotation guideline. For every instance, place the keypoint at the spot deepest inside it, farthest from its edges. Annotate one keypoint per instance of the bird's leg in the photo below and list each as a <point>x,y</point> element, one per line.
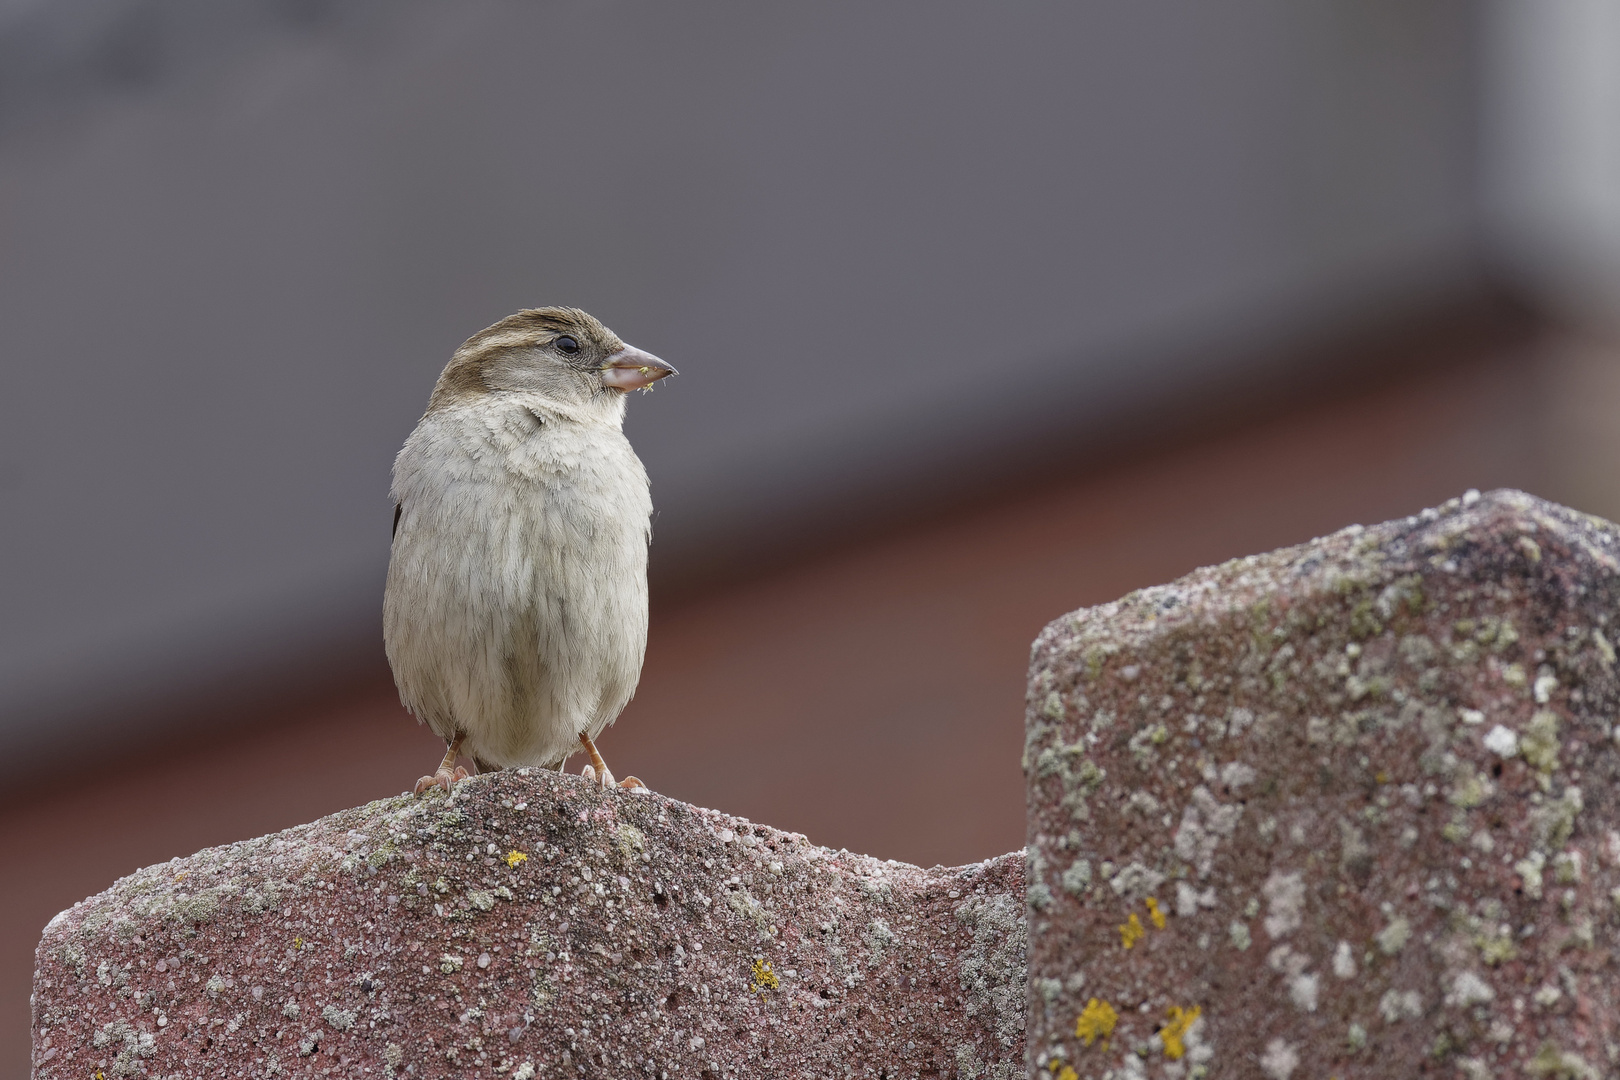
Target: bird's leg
<point>600,772</point>
<point>448,772</point>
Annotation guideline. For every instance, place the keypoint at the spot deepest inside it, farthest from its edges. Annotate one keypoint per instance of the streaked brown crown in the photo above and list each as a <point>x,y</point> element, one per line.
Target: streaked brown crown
<point>463,375</point>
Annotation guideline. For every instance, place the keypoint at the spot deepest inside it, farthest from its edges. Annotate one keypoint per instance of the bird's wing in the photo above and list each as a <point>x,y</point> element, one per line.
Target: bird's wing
<point>399,508</point>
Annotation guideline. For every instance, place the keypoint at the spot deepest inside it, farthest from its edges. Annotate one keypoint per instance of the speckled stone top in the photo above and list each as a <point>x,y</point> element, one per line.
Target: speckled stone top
<point>535,926</point>
<point>1344,810</point>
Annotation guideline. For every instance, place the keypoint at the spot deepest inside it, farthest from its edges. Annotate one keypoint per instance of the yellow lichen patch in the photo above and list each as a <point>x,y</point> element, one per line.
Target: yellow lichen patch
<point>1155,914</point>
<point>1096,1021</point>
<point>298,943</point>
<point>514,857</point>
<point>1130,931</point>
<point>764,978</point>
<point>1061,1071</point>
<point>1174,1032</point>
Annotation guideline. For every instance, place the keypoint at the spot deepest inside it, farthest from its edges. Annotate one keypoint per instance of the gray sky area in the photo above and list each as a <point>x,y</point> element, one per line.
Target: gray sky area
<point>238,241</point>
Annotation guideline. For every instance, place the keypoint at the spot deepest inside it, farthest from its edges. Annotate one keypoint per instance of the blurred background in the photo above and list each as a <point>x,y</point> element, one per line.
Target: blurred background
<point>983,312</point>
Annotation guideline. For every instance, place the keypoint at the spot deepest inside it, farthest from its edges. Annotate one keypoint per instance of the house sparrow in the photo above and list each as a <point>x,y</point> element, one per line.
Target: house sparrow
<point>515,616</point>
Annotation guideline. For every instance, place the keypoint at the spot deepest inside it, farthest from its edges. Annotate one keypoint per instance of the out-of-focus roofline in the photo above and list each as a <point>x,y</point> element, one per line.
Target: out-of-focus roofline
<point>1051,437</point>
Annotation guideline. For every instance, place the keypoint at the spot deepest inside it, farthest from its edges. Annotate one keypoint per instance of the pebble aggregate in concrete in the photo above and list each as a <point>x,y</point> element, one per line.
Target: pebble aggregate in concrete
<point>1344,810</point>
<point>535,926</point>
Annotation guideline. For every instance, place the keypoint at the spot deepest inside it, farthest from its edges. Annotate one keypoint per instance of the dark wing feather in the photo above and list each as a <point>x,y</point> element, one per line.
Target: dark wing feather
<point>399,508</point>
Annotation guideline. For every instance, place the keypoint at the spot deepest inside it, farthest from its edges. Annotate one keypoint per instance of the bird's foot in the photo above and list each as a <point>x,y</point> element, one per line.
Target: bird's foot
<point>605,779</point>
<point>597,772</point>
<point>441,779</point>
<point>448,772</point>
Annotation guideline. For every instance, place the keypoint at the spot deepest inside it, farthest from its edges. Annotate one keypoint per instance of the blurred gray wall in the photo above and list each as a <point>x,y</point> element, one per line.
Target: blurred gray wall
<point>885,244</point>
<point>1550,152</point>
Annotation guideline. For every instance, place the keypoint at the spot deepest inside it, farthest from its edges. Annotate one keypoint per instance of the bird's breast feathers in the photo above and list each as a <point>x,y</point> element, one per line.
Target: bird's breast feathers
<point>519,570</point>
<point>512,456</point>
<point>516,509</point>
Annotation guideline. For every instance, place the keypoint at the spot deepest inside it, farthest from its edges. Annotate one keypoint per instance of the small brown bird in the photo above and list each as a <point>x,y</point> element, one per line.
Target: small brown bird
<point>515,616</point>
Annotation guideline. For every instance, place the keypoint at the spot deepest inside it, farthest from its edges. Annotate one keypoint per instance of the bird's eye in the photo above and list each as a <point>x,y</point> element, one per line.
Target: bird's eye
<point>567,345</point>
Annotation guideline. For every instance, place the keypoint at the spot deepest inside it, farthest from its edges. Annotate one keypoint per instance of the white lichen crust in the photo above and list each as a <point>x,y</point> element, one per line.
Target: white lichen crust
<point>1370,779</point>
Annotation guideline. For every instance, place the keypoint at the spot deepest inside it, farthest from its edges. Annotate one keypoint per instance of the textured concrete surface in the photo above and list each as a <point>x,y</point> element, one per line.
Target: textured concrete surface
<point>1344,810</point>
<point>536,927</point>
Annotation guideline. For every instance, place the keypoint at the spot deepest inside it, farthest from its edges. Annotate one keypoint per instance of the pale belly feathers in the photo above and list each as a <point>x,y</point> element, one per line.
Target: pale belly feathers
<point>516,605</point>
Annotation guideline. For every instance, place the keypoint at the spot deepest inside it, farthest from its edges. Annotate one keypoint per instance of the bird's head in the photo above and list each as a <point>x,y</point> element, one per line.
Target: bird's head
<point>562,354</point>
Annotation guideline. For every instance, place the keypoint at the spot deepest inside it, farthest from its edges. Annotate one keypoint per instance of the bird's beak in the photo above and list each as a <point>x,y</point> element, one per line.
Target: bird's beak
<point>632,369</point>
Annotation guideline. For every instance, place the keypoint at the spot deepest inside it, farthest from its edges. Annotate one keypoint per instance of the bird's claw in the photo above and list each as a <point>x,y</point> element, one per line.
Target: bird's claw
<point>444,778</point>
<point>606,781</point>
